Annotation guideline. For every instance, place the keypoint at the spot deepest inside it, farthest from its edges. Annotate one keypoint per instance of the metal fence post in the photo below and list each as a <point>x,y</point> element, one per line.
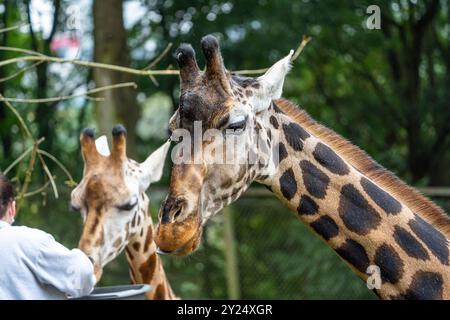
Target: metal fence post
<point>231,260</point>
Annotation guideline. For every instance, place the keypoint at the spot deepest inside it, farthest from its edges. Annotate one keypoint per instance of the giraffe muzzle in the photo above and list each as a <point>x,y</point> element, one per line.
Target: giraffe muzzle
<point>163,252</point>
<point>178,232</point>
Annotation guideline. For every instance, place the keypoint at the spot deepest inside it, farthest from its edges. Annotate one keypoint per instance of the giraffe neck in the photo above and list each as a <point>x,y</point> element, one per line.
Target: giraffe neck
<point>360,220</point>
<point>144,262</point>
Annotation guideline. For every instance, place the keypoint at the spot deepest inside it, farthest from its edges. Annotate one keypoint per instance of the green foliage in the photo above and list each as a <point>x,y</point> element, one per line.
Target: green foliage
<point>386,90</point>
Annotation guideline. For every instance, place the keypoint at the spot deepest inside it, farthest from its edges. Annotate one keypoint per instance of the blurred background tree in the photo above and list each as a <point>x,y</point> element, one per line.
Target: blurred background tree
<point>386,90</point>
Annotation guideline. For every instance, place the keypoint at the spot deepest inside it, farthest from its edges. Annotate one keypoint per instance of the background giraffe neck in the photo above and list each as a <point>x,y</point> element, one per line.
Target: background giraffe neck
<point>145,264</point>
<point>361,221</point>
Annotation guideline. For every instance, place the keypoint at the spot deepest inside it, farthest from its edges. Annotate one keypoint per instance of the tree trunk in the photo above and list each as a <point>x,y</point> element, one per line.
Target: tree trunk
<point>45,112</point>
<point>405,59</point>
<point>5,129</point>
<point>110,42</point>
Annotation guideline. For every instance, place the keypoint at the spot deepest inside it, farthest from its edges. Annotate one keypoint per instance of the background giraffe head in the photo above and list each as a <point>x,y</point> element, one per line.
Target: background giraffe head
<point>234,106</point>
<point>111,196</point>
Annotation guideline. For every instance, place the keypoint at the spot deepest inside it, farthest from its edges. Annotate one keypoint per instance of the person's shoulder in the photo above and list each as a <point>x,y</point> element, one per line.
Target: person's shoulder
<point>31,233</point>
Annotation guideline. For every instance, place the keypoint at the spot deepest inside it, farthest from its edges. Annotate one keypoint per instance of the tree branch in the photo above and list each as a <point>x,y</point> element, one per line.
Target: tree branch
<point>59,164</point>
<point>22,156</point>
<point>17,73</point>
<point>27,180</point>
<point>57,6</point>
<point>13,28</point>
<point>60,98</point>
<point>20,50</point>
<point>37,191</point>
<point>158,59</point>
<point>35,144</point>
<point>91,65</point>
<point>428,16</point>
<point>36,56</point>
<point>34,43</point>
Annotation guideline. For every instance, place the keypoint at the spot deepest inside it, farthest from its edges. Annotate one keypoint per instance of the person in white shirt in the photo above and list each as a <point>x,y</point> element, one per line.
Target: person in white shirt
<point>33,266</point>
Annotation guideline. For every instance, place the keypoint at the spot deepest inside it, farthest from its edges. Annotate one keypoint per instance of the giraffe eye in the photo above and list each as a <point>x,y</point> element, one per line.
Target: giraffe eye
<point>128,206</point>
<point>74,208</point>
<point>238,125</point>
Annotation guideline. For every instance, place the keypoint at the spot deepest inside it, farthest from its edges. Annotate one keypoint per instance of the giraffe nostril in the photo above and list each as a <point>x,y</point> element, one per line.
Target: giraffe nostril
<point>172,210</point>
<point>165,216</point>
<point>177,213</point>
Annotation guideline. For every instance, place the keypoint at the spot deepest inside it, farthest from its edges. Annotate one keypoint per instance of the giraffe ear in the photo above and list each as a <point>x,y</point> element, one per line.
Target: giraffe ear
<point>102,146</point>
<point>272,83</point>
<point>153,166</point>
<point>174,122</point>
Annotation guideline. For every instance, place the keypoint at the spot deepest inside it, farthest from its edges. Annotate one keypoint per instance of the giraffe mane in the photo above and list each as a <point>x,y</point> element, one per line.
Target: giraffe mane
<point>362,162</point>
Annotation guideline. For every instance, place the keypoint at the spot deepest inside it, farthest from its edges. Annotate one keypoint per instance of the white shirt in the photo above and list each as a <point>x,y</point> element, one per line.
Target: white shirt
<point>34,266</point>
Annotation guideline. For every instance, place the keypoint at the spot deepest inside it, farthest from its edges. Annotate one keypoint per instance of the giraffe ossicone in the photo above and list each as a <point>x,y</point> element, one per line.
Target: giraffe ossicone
<point>363,212</point>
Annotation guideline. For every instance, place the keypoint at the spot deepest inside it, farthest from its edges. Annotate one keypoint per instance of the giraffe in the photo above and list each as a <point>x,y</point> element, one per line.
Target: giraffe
<point>112,201</point>
<point>368,216</point>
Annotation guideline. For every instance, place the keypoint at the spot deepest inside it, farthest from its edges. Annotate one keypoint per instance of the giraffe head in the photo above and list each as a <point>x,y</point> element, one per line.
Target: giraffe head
<point>111,196</point>
<point>221,115</point>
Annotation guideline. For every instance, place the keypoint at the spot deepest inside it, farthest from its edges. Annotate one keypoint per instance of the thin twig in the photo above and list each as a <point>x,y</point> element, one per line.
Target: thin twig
<point>151,65</point>
<point>28,133</point>
<point>22,156</point>
<point>13,28</point>
<point>92,65</point>
<point>155,82</point>
<point>18,116</point>
<point>36,56</point>
<point>60,98</point>
<point>21,71</point>
<point>158,59</point>
<point>20,50</point>
<point>27,180</point>
<point>49,175</point>
<point>32,193</point>
<point>63,168</point>
<point>300,48</point>
<point>297,52</point>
